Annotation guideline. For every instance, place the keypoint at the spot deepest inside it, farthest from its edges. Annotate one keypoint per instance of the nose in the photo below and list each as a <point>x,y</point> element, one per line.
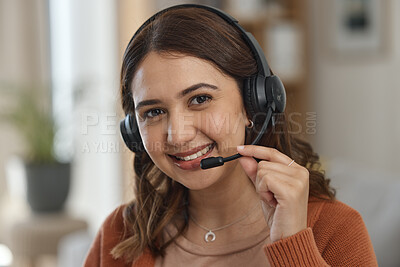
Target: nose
<point>181,129</point>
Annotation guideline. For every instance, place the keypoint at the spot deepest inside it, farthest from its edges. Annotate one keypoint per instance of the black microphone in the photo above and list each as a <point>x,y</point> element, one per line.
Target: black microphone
<point>213,162</point>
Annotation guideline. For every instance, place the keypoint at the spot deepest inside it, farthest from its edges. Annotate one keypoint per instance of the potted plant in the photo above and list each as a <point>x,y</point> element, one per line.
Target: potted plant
<point>48,181</point>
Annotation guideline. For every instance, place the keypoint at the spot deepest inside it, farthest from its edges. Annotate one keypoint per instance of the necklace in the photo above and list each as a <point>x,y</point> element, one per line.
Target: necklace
<point>210,233</point>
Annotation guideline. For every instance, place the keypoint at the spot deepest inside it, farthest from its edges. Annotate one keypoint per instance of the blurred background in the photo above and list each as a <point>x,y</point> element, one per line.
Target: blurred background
<point>63,166</point>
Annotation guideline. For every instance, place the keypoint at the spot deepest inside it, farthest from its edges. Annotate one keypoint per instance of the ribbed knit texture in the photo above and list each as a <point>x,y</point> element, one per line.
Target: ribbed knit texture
<point>336,236</point>
<point>297,250</point>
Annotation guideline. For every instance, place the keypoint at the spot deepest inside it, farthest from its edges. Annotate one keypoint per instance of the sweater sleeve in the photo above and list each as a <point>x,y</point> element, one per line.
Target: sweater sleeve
<point>297,250</point>
<point>338,237</point>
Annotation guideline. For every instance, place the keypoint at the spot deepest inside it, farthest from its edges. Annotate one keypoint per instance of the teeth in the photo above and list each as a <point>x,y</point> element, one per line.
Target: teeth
<point>196,155</point>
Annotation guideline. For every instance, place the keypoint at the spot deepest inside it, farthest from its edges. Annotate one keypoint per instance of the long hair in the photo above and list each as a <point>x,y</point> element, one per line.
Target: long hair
<point>202,34</point>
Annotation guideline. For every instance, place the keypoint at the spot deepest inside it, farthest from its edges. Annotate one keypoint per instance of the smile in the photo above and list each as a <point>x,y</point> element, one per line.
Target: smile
<point>196,155</point>
<point>192,161</point>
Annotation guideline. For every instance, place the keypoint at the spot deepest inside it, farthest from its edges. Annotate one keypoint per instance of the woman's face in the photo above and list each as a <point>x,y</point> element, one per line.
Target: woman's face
<point>188,110</point>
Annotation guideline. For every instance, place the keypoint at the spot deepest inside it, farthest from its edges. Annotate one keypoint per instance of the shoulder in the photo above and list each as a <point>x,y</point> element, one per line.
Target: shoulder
<point>330,211</point>
<point>109,235</point>
<point>114,222</point>
<point>340,232</point>
<point>333,215</point>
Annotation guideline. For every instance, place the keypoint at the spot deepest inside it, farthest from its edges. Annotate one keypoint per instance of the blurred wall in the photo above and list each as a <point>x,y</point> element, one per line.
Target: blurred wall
<point>25,54</point>
<point>356,97</point>
<point>24,61</point>
<point>93,46</point>
<point>24,48</point>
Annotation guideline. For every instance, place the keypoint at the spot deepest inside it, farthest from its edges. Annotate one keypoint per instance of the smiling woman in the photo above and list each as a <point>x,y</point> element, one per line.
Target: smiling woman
<point>201,107</point>
<point>183,83</point>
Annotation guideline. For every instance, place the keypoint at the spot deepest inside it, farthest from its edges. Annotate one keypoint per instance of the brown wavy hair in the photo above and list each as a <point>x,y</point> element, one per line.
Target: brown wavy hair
<point>202,34</point>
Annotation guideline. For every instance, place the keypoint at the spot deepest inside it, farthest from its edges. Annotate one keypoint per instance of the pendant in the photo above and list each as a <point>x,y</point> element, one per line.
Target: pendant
<point>209,234</point>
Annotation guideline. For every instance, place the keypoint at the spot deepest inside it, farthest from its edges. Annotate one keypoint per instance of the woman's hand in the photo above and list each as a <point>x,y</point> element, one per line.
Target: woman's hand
<point>283,189</point>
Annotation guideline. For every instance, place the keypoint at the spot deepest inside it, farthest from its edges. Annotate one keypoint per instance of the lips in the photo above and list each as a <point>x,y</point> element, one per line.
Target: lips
<point>191,152</point>
<point>191,164</point>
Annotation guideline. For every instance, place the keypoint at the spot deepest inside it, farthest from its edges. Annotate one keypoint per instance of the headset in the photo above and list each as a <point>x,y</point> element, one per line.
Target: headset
<point>263,93</point>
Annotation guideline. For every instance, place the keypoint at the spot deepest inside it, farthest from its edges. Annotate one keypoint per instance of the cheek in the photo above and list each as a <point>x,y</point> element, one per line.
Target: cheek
<point>225,125</point>
<point>152,140</point>
<point>154,145</point>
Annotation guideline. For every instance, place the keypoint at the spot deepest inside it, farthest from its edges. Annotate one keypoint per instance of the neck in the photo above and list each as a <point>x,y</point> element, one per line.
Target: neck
<point>232,197</point>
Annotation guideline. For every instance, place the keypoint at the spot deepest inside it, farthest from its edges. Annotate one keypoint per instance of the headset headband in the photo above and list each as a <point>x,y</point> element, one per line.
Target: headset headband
<point>262,65</point>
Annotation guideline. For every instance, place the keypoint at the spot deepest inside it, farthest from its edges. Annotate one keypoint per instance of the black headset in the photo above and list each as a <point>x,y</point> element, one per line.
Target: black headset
<point>263,93</point>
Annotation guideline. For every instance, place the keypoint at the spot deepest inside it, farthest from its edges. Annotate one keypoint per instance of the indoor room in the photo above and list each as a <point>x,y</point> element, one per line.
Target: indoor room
<point>64,166</point>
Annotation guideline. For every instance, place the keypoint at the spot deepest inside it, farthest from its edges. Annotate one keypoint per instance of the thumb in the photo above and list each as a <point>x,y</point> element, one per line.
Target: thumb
<point>249,165</point>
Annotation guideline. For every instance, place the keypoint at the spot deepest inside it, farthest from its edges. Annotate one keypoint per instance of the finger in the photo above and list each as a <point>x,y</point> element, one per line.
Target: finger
<point>297,177</point>
<point>249,166</point>
<point>277,167</point>
<point>281,186</point>
<point>269,198</point>
<point>264,193</point>
<point>265,153</point>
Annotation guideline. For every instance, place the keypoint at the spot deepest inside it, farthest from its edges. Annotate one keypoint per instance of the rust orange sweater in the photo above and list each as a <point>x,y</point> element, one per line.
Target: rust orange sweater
<point>336,236</point>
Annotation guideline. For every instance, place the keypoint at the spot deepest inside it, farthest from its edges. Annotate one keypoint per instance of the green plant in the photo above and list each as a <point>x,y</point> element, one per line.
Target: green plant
<point>34,123</point>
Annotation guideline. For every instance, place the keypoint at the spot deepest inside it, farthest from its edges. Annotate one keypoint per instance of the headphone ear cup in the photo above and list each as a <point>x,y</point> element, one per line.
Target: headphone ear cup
<point>130,134</point>
<point>276,93</point>
<point>262,93</point>
<point>249,96</point>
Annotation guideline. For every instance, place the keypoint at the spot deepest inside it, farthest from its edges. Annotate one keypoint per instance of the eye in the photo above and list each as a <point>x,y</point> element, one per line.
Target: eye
<point>200,99</point>
<point>196,100</point>
<point>152,113</point>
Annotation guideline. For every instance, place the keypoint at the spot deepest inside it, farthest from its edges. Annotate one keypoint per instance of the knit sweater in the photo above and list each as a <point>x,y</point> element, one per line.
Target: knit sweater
<point>336,236</point>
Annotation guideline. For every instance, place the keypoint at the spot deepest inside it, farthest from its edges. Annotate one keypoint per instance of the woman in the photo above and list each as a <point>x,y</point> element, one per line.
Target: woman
<point>182,77</point>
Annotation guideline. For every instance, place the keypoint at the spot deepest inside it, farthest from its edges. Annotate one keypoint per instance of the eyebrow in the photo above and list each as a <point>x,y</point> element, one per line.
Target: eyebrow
<point>180,94</point>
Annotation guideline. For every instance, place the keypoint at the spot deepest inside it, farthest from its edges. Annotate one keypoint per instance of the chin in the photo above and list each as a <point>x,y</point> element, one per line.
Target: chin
<point>205,179</point>
<point>197,186</point>
<point>198,181</point>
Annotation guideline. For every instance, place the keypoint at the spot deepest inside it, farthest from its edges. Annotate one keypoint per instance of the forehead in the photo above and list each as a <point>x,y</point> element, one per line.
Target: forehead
<point>166,74</point>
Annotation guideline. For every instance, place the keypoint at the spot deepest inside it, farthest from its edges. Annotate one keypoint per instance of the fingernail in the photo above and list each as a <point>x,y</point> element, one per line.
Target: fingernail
<point>240,147</point>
